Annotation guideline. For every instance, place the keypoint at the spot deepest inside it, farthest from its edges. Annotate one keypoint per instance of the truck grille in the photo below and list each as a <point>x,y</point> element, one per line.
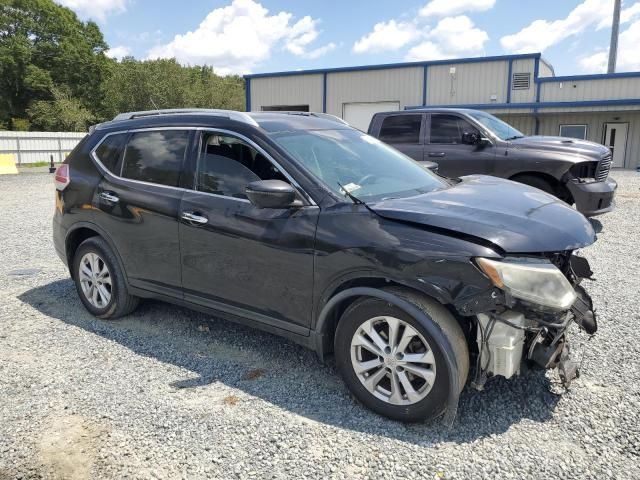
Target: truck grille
<point>603,168</point>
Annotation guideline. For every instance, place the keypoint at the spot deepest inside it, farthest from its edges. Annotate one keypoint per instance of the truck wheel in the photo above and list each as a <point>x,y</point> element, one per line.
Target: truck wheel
<point>100,281</point>
<point>537,182</point>
<point>390,362</point>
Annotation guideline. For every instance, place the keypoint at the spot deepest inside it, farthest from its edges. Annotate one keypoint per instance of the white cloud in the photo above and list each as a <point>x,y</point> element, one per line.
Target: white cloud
<point>628,58</point>
<point>95,9</point>
<point>626,15</point>
<point>387,36</point>
<point>452,37</point>
<point>541,34</point>
<point>118,52</point>
<point>235,38</point>
<point>445,8</point>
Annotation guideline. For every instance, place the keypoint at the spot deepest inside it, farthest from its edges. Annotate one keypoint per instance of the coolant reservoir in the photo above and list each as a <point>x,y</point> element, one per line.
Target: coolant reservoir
<point>503,353</point>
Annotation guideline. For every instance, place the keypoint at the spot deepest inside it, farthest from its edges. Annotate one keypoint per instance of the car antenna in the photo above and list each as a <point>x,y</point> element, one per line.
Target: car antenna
<point>153,103</point>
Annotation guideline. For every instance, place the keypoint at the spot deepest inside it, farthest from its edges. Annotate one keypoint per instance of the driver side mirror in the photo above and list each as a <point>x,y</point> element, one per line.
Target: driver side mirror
<point>272,194</point>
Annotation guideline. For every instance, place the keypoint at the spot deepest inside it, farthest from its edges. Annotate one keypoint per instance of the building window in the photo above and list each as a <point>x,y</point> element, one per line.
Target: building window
<point>401,129</point>
<point>521,81</point>
<point>286,108</point>
<point>574,131</point>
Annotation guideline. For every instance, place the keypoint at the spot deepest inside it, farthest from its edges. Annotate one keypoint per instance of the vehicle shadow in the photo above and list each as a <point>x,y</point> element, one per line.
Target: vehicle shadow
<point>287,375</point>
<point>596,224</point>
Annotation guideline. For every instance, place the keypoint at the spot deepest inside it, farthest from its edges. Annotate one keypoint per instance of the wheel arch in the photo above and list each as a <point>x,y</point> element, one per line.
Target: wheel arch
<point>324,327</point>
<point>83,231</point>
<point>559,188</point>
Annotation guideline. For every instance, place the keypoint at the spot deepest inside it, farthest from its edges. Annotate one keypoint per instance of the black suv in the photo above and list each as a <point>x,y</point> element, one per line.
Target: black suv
<point>310,229</point>
<point>465,142</point>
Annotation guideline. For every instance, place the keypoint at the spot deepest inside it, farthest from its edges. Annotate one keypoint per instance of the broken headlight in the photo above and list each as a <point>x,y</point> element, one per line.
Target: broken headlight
<point>535,280</point>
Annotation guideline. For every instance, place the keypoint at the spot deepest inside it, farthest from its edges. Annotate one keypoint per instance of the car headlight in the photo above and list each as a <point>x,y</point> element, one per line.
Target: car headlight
<point>534,280</point>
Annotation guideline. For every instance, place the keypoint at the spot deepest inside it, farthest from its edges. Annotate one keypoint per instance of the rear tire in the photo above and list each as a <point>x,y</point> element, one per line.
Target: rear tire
<point>422,382</point>
<point>100,281</point>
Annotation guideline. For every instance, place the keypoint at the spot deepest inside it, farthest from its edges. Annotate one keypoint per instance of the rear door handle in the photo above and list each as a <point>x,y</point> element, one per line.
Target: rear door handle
<point>194,218</point>
<point>436,154</point>
<point>109,197</point>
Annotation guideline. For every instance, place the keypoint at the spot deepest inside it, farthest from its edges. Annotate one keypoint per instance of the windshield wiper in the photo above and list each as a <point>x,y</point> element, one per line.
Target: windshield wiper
<point>351,196</point>
<point>514,137</point>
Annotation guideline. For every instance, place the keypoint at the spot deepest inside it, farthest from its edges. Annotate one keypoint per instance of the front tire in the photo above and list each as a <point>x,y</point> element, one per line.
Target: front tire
<point>390,362</point>
<point>100,280</point>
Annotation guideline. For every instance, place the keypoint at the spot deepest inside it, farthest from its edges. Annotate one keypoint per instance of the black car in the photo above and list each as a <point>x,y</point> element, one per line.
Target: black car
<point>312,230</point>
<point>465,142</point>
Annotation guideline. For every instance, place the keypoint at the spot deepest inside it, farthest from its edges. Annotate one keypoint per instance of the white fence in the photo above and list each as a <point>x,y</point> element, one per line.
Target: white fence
<point>32,147</point>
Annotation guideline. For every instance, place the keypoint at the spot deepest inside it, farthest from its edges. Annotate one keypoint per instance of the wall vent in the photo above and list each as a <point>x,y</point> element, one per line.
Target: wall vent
<point>521,81</point>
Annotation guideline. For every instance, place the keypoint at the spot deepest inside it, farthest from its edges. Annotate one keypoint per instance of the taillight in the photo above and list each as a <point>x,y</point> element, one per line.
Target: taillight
<point>62,178</point>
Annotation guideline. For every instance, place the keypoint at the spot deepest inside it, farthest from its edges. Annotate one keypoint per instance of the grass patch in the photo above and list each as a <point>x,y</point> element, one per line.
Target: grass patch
<point>37,164</point>
<point>231,400</point>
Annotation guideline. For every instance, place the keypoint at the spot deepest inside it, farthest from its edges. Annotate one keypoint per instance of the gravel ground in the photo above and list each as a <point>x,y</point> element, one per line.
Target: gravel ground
<point>171,393</point>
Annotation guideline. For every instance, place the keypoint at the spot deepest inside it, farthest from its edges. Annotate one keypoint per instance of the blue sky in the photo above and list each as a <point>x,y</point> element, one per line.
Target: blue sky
<point>251,36</point>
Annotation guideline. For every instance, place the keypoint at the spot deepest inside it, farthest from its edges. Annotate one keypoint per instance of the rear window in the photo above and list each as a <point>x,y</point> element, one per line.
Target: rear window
<point>156,156</point>
<point>110,151</point>
<point>401,129</point>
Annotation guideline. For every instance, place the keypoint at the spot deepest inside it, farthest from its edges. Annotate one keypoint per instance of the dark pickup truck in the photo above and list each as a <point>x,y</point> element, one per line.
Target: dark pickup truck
<point>465,142</point>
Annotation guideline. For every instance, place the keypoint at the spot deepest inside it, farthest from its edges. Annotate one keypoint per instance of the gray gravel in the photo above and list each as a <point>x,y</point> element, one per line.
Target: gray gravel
<point>171,393</point>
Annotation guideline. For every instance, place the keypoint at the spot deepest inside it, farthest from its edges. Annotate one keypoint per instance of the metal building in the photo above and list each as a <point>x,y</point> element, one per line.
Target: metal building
<point>521,89</point>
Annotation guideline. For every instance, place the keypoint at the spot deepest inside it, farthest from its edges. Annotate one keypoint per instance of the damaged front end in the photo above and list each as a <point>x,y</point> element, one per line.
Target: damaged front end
<point>535,301</point>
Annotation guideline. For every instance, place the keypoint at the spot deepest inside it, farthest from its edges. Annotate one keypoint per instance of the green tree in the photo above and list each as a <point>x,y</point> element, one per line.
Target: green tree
<point>63,113</point>
<point>43,44</point>
<point>142,85</point>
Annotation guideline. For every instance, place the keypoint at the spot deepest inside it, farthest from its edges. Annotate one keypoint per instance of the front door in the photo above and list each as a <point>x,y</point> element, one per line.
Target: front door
<point>615,137</point>
<point>444,146</point>
<point>251,262</point>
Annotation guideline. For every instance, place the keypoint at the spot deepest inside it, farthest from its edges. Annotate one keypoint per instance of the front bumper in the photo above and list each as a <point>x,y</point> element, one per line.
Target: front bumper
<point>593,198</point>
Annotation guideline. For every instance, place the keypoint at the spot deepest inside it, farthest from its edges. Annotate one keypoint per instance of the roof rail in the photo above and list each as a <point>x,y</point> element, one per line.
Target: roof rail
<point>326,116</point>
<point>230,114</point>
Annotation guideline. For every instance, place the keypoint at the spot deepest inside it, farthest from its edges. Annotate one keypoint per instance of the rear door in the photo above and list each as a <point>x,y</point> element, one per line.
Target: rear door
<point>237,258</point>
<point>137,202</point>
<point>444,146</point>
<point>404,132</point>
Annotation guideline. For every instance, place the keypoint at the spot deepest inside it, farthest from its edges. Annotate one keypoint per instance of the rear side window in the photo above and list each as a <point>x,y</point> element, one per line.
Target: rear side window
<point>448,129</point>
<point>110,151</point>
<point>156,157</point>
<point>401,129</point>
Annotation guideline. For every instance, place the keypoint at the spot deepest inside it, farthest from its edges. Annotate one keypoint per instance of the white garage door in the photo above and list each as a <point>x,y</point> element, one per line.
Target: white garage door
<point>359,114</point>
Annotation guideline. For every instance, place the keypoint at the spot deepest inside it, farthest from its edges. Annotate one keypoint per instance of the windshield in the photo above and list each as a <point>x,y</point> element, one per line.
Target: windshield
<point>500,129</point>
<point>364,166</point>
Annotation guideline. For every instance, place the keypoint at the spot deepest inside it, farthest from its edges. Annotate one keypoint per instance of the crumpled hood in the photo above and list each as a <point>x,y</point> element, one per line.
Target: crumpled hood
<point>515,217</point>
<point>569,146</point>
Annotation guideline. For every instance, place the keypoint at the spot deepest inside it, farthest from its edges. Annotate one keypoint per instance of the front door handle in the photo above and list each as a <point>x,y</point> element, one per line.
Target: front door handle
<point>436,154</point>
<point>109,197</point>
<point>194,218</point>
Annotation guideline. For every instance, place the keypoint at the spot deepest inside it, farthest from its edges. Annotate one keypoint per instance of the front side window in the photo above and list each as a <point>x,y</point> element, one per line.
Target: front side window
<point>574,131</point>
<point>226,166</point>
<point>448,129</point>
<point>358,163</point>
<point>401,129</point>
<point>500,129</point>
<point>156,156</point>
<point>110,151</point>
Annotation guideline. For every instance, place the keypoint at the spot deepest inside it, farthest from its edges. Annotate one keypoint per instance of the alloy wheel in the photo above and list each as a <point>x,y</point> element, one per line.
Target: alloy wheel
<point>95,280</point>
<point>393,360</point>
